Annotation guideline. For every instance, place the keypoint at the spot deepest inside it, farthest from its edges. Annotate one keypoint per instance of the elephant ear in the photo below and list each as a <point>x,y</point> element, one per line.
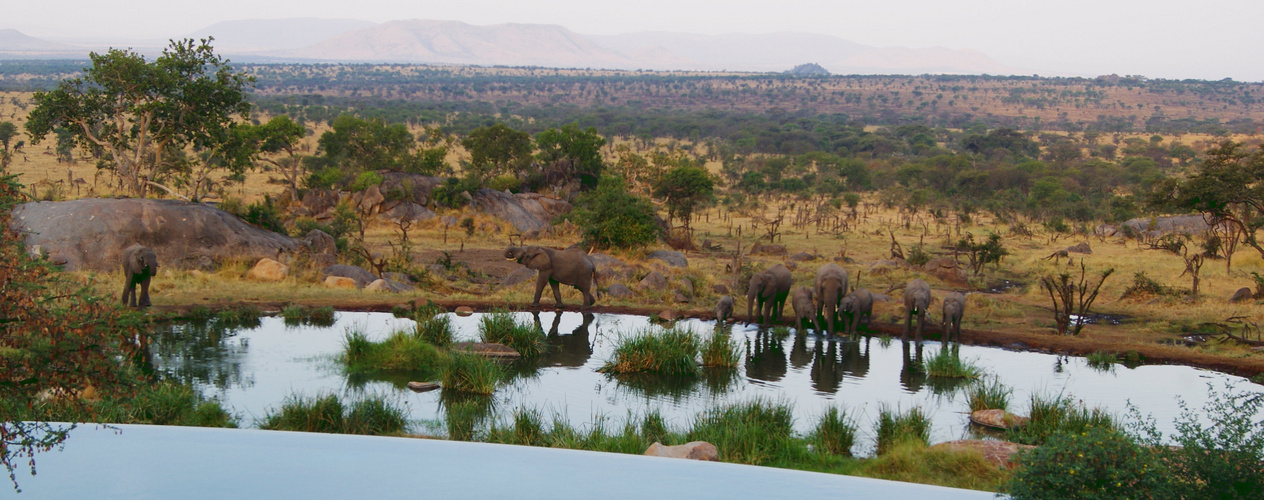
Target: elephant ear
<point>536,259</point>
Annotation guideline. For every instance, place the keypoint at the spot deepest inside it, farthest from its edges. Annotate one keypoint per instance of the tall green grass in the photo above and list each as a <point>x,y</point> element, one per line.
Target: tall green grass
<point>948,364</point>
<point>895,427</point>
<point>400,352</point>
<point>328,414</point>
<point>720,351</point>
<point>835,432</point>
<point>500,327</point>
<point>471,373</point>
<point>669,352</point>
<point>436,330</point>
<point>754,432</point>
<point>1054,415</point>
<point>163,403</point>
<point>989,394</point>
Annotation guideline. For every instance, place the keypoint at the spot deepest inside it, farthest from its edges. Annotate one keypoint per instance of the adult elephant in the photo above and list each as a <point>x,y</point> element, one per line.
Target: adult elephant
<point>770,288</point>
<point>572,266</point>
<point>831,286</point>
<point>139,265</point>
<point>916,300</point>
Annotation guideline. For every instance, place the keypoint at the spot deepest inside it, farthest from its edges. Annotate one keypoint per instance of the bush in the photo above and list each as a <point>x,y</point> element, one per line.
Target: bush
<point>450,194</point>
<point>504,183</point>
<point>947,364</point>
<point>366,180</point>
<point>611,217</point>
<point>1143,286</point>
<point>1096,463</point>
<point>325,178</point>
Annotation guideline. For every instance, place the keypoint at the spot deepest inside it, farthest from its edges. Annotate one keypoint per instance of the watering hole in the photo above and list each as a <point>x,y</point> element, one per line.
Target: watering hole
<point>252,371</point>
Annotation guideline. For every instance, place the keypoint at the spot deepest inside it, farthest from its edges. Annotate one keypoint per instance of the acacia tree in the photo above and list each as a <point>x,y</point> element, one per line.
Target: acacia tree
<point>683,189</point>
<point>281,135</point>
<point>1228,190</point>
<point>7,132</point>
<point>497,149</point>
<point>571,153</point>
<point>138,111</point>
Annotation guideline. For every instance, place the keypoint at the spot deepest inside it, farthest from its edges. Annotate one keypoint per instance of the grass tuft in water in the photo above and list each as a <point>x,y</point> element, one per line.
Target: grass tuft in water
<point>720,351</point>
<point>296,314</point>
<point>948,364</point>
<point>835,432</point>
<point>755,432</point>
<point>401,352</point>
<point>1051,416</point>
<point>472,374</point>
<point>246,316</point>
<point>895,427</point>
<point>989,394</point>
<point>1102,360</point>
<point>328,414</point>
<point>500,327</point>
<point>436,330</point>
<point>669,352</point>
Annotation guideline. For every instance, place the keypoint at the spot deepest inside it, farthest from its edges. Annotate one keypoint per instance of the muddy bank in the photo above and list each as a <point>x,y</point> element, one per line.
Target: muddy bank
<point>1152,353</point>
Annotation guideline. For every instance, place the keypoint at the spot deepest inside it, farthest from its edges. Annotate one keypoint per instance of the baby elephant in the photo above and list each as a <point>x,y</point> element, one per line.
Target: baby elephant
<point>954,308</point>
<point>916,300</point>
<point>856,305</point>
<point>724,310</point>
<point>804,307</point>
<point>139,265</point>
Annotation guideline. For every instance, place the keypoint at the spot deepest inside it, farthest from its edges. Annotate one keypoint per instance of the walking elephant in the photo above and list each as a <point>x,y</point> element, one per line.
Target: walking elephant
<point>804,307</point>
<point>831,286</point>
<point>954,309</point>
<point>916,300</point>
<point>856,305</point>
<point>139,265</point>
<point>572,266</point>
<point>769,288</point>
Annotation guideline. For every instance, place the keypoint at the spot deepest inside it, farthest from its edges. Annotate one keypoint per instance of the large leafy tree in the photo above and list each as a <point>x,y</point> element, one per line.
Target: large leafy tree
<point>138,111</point>
<point>497,149</point>
<point>611,217</point>
<point>683,189</point>
<point>1228,190</point>
<point>278,142</point>
<point>357,145</point>
<point>571,153</point>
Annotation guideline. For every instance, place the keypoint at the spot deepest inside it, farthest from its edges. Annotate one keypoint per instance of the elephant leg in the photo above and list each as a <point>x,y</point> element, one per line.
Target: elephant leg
<point>127,287</point>
<point>921,323</point>
<point>908,324</point>
<point>539,289</point>
<point>144,293</point>
<point>557,293</point>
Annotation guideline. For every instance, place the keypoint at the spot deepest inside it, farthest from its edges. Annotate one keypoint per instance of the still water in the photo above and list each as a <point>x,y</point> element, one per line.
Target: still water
<point>253,370</point>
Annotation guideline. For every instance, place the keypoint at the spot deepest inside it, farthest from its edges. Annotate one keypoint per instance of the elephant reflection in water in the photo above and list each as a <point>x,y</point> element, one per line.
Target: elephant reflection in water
<point>827,373</point>
<point>854,357</point>
<point>573,349</point>
<point>765,357</point>
<point>913,373</point>
<point>800,356</point>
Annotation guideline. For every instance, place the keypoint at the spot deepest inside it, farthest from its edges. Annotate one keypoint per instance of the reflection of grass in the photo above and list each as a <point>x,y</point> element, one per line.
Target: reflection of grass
<point>670,352</point>
<point>246,316</point>
<point>989,394</point>
<point>297,314</point>
<point>471,373</point>
<point>372,416</point>
<point>500,327</point>
<point>835,432</point>
<point>895,427</point>
<point>1101,360</point>
<point>1058,415</point>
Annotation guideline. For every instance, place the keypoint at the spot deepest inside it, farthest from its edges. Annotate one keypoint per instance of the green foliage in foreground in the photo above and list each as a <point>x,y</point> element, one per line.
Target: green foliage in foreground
<point>163,403</point>
<point>371,416</point>
<point>835,433</point>
<point>471,373</point>
<point>500,327</point>
<point>895,427</point>
<point>754,432</point>
<point>670,352</point>
<point>913,462</point>
<point>1051,416</point>
<point>1098,463</point>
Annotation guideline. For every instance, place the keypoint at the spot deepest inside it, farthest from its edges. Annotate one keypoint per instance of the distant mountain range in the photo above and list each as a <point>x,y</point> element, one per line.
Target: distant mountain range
<point>453,42</point>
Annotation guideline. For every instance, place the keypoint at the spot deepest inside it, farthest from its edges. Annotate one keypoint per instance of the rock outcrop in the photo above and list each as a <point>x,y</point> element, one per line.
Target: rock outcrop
<point>671,257</point>
<point>527,212</point>
<point>91,233</point>
<point>387,285</point>
<point>696,450</point>
<point>361,276</point>
<point>268,270</point>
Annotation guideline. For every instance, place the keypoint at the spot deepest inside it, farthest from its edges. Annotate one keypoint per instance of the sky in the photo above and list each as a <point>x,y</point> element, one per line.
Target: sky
<point>1208,39</point>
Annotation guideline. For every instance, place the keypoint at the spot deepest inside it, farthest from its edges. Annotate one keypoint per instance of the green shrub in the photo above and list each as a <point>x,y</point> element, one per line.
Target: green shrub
<point>450,193</point>
<point>500,327</point>
<point>1143,286</point>
<point>366,180</point>
<point>895,427</point>
<point>612,217</point>
<point>917,256</point>
<point>653,427</point>
<point>835,433</point>
<point>325,178</point>
<point>669,352</point>
<point>1096,463</point>
<point>504,183</point>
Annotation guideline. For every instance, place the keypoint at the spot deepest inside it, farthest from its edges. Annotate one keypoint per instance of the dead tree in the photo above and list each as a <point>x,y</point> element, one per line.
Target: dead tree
<point>1193,264</point>
<point>1071,301</point>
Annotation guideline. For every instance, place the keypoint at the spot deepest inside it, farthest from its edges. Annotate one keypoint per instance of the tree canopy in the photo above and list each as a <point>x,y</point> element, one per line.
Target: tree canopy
<point>497,149</point>
<point>571,153</point>
<point>138,111</point>
<point>683,189</point>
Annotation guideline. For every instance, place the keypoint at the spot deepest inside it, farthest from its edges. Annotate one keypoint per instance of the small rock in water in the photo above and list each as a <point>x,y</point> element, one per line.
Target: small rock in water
<point>464,311</point>
<point>422,386</point>
<point>997,419</point>
<point>696,450</point>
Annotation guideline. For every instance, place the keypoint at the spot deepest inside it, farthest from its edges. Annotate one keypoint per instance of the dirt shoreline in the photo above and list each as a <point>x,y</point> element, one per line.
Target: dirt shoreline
<point>1046,343</point>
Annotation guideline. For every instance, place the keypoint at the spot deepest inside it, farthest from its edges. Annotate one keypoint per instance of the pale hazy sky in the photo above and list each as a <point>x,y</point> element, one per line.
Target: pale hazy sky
<point>1206,39</point>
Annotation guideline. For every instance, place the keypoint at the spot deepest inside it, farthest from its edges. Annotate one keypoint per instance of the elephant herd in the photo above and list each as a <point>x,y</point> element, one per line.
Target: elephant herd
<point>831,299</point>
